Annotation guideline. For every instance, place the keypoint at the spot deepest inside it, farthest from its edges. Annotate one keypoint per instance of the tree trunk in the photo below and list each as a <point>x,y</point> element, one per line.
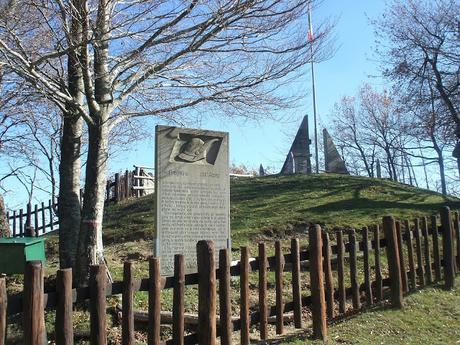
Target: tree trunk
<point>90,247</point>
<point>4,225</point>
<point>393,167</point>
<point>69,205</point>
<point>456,152</point>
<point>458,166</point>
<point>69,191</point>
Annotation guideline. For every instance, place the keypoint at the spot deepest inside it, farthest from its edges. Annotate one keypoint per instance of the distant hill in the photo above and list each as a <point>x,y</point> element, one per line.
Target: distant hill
<point>275,206</point>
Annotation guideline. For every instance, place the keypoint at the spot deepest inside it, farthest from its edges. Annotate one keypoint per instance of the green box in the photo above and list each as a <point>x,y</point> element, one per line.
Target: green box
<point>15,252</point>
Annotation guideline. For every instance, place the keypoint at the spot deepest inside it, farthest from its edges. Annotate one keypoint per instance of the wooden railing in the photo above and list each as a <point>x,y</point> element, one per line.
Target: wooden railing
<point>34,220</point>
<point>131,184</point>
<point>41,218</point>
<point>424,263</point>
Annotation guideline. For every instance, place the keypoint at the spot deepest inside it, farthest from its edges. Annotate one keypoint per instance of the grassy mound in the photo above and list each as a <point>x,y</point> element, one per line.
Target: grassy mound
<point>276,206</point>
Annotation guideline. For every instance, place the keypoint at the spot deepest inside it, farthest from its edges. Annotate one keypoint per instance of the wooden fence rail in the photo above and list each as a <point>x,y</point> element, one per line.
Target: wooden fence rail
<point>321,300</point>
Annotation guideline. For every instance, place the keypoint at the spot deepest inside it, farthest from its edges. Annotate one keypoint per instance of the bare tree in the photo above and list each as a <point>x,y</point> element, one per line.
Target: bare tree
<point>385,124</point>
<point>406,130</point>
<point>350,132</point>
<point>107,61</point>
<point>370,127</point>
<point>419,45</point>
<point>430,131</point>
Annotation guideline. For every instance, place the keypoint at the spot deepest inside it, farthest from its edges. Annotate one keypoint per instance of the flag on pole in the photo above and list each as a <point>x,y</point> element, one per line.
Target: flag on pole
<point>310,26</point>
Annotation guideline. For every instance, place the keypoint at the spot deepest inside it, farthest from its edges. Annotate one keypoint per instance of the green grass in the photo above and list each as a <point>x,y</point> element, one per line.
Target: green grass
<point>279,206</point>
<point>430,316</point>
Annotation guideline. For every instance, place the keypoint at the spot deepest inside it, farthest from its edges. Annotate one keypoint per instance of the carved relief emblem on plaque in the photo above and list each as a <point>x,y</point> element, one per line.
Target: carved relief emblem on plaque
<point>202,150</point>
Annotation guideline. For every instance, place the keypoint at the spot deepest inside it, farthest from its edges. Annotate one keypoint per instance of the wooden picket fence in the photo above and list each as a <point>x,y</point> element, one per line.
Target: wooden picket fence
<point>131,184</point>
<point>426,262</point>
<point>34,220</point>
<point>41,218</point>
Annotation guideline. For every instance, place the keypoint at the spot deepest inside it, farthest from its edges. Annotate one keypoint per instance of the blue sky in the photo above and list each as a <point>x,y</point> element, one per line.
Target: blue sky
<point>266,141</point>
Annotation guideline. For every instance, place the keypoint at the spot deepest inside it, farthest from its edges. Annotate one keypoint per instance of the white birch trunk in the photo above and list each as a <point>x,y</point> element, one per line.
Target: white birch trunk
<point>90,247</point>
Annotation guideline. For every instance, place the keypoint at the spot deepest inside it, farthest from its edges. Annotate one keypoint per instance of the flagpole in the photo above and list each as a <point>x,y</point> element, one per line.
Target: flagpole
<point>310,38</point>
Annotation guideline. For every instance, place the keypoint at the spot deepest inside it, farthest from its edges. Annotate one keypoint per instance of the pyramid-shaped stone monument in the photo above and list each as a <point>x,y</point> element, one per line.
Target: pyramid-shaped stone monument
<point>333,162</point>
<point>261,170</point>
<point>379,169</point>
<point>298,158</point>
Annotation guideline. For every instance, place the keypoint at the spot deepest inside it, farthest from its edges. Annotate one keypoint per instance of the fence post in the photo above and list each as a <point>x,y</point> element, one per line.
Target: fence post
<point>457,238</point>
<point>21,222</point>
<point>178,299</point>
<point>263,290</point>
<point>328,276</point>
<point>36,227</point>
<point>13,233</point>
<point>367,269</point>
<point>29,215</point>
<point>126,196</point>
<point>279,269</point>
<point>354,270</point>
<point>418,248</point>
<point>29,229</point>
<point>3,307</point>
<point>448,248</point>
<point>136,183</point>
<point>51,214</point>
<point>436,255</point>
<point>206,293</point>
<point>426,243</point>
<point>33,313</point>
<point>405,284</point>
<point>378,268</point>
<point>154,301</point>
<point>317,284</point>
<point>224,297</point>
<point>64,307</point>
<point>116,188</point>
<point>389,228</point>
<point>97,287</point>
<point>107,191</point>
<point>341,272</point>
<point>296,294</point>
<point>141,182</point>
<point>43,218</point>
<point>127,327</point>
<point>244,296</point>
<point>410,256</point>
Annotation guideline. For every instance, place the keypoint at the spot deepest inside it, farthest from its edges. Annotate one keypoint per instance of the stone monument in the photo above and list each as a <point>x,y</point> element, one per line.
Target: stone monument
<point>192,199</point>
<point>298,157</point>
<point>261,170</point>
<point>333,162</point>
<point>379,169</point>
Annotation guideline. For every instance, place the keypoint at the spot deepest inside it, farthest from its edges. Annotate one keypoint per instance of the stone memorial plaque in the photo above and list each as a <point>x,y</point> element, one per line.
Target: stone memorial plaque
<point>192,193</point>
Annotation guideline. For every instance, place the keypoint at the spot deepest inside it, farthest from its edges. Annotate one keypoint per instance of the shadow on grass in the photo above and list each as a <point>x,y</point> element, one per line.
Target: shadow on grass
<point>326,186</point>
<point>365,204</point>
<point>379,307</point>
